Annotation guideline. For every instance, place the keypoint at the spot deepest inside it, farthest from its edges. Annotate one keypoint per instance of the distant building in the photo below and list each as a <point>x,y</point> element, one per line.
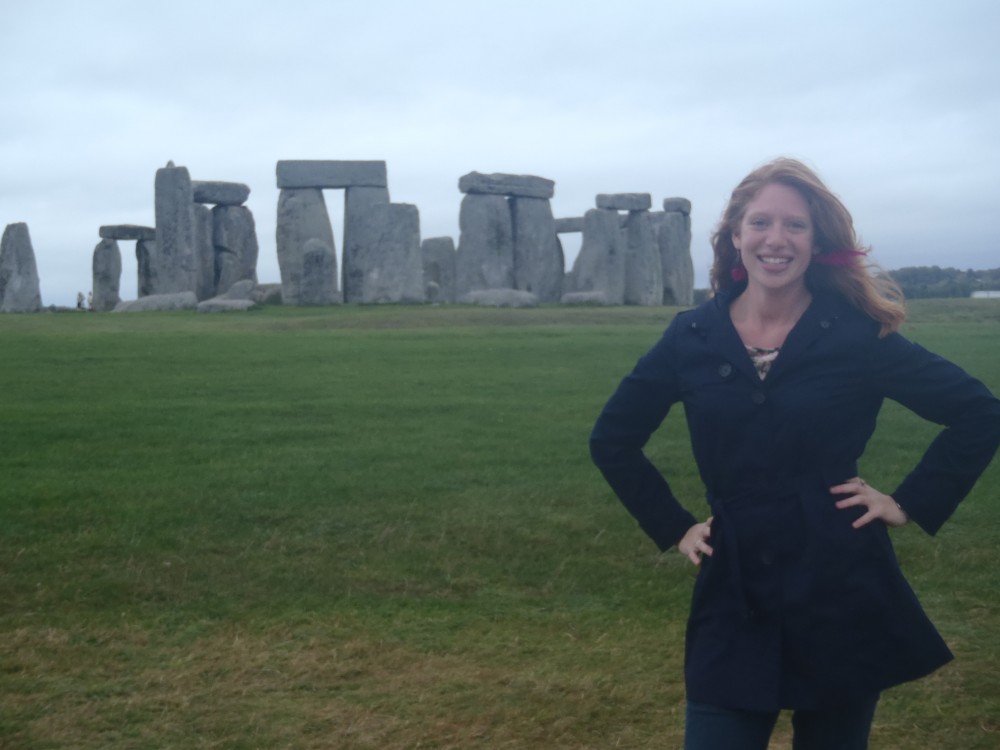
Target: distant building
<point>991,294</point>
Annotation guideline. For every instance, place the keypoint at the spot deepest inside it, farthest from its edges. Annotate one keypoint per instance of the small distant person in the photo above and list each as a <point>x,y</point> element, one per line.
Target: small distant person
<point>79,300</point>
<point>90,301</point>
<point>799,602</point>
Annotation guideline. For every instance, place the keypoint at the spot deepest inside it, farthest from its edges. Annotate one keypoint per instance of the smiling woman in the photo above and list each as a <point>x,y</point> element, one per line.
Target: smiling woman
<point>799,602</point>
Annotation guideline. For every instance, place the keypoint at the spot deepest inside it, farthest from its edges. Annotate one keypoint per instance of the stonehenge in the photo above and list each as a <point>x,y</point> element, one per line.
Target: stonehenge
<point>508,237</point>
<point>641,258</point>
<point>508,253</point>
<point>382,261</point>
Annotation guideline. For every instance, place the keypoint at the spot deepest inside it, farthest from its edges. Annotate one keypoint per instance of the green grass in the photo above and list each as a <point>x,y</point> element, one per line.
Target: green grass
<point>378,527</point>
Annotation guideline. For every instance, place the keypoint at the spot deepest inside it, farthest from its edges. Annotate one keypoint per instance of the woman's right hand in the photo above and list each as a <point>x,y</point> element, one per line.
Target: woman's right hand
<point>694,543</point>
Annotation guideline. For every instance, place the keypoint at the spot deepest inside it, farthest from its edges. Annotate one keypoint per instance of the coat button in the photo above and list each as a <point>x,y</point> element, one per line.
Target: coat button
<point>758,397</point>
<point>824,324</point>
<point>726,370</point>
<point>767,558</point>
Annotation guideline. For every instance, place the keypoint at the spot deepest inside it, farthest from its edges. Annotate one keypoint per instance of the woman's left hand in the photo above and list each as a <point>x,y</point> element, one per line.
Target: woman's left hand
<point>879,505</point>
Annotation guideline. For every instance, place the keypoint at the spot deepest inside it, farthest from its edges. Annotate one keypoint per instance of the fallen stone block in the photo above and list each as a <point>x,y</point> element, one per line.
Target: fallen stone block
<point>220,304</point>
<point>499,298</point>
<point>158,302</point>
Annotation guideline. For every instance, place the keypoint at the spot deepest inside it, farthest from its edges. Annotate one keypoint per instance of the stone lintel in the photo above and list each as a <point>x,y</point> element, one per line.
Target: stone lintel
<point>513,185</point>
<point>624,201</point>
<point>126,232</point>
<point>331,175</point>
<point>678,205</point>
<point>220,193</point>
<point>565,226</point>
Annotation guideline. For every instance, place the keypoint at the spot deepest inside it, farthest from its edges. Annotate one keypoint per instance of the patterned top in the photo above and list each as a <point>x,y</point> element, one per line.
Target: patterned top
<point>762,359</point>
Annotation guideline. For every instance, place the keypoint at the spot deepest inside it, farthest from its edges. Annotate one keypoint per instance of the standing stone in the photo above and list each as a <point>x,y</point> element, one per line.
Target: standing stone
<point>362,230</point>
<point>19,285</point>
<point>176,262</point>
<point>600,265</point>
<point>145,261</point>
<point>643,273</point>
<point>438,254</point>
<point>538,257</point>
<point>485,256</point>
<point>107,274</point>
<point>204,253</point>
<point>302,216</point>
<point>234,236</point>
<point>319,273</point>
<point>396,273</point>
<point>673,237</point>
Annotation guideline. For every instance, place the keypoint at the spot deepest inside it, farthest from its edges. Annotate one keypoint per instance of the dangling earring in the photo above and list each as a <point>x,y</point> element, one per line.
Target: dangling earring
<point>738,272</point>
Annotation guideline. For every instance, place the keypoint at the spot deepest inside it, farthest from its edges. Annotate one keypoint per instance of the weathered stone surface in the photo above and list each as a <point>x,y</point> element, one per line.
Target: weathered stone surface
<point>499,298</point>
<point>673,239</point>
<point>175,261</point>
<point>302,216</point>
<point>438,255</point>
<point>106,276</point>
<point>20,291</point>
<point>221,304</point>
<point>319,274</point>
<point>126,232</point>
<point>234,236</point>
<point>680,205</point>
<point>154,302</point>
<point>363,228</point>
<point>395,271</point>
<point>584,298</point>
<point>220,193</point>
<point>331,175</point>
<point>204,252</point>
<point>600,265</point>
<point>242,289</point>
<point>520,185</point>
<point>266,294</point>
<point>485,255</point>
<point>145,258</point>
<point>624,201</point>
<point>643,273</point>
<point>567,226</point>
<point>538,257</point>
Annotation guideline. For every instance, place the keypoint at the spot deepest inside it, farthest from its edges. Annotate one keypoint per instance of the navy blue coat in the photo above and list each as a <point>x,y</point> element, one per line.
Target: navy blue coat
<point>795,609</point>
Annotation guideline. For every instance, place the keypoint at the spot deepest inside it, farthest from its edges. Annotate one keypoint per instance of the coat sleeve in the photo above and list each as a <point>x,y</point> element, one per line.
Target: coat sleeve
<point>634,412</point>
<point>944,393</point>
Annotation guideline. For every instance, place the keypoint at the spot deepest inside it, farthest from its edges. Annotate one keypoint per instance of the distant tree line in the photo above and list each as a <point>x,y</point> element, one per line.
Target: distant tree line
<point>929,281</point>
<point>933,281</point>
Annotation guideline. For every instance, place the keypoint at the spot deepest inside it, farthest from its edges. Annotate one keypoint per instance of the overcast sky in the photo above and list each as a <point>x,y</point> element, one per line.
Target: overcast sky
<point>895,103</point>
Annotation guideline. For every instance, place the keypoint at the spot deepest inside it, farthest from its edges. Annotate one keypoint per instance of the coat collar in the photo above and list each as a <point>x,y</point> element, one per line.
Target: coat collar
<point>712,322</point>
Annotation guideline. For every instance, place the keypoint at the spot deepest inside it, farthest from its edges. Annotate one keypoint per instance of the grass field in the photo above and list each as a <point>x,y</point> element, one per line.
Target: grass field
<point>378,527</point>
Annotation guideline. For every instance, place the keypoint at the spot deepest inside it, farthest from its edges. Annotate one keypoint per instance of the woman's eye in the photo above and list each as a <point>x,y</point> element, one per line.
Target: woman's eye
<point>758,223</point>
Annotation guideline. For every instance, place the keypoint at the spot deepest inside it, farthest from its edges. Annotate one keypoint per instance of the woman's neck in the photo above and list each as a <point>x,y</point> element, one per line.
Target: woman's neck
<point>763,318</point>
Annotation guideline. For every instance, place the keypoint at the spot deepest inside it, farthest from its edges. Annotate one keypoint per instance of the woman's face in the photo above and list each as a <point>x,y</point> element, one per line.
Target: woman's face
<point>775,238</point>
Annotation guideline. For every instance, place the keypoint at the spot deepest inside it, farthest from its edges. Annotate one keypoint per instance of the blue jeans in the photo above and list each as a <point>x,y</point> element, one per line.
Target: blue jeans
<point>843,727</point>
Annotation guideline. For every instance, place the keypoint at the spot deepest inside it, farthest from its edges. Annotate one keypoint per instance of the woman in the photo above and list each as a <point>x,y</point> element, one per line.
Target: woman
<point>799,603</point>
